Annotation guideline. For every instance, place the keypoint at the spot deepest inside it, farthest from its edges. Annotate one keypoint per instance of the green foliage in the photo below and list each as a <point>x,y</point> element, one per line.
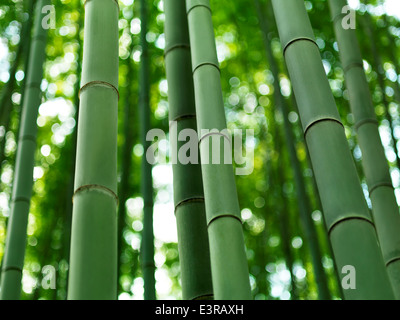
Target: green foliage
<point>248,92</point>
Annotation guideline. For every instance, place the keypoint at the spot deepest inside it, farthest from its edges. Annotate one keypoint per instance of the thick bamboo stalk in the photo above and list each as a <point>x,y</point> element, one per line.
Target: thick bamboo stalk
<point>302,197</point>
<point>229,268</point>
<point>384,206</point>
<point>347,217</point>
<point>93,258</point>
<point>13,259</point>
<point>193,243</point>
<point>146,182</point>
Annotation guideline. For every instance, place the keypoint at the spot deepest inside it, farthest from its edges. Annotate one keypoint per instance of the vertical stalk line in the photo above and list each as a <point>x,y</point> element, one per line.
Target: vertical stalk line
<point>377,65</point>
<point>146,185</point>
<point>384,206</point>
<point>302,197</point>
<point>392,57</point>
<point>230,275</point>
<point>126,163</point>
<point>347,217</point>
<point>14,254</point>
<point>93,257</point>
<point>70,191</point>
<point>193,242</point>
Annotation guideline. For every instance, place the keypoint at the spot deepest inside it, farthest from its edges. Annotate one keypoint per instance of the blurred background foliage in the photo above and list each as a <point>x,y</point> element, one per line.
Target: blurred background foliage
<point>272,228</point>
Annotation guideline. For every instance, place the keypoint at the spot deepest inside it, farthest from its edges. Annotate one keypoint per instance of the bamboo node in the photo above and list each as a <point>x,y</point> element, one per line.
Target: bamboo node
<point>380,184</point>
<point>205,64</point>
<point>100,84</point>
<point>224,216</point>
<point>358,124</point>
<point>298,39</point>
<point>184,116</point>
<point>116,1</point>
<point>315,121</point>
<point>215,134</point>
<point>198,5</point>
<point>176,46</point>
<point>392,260</point>
<point>189,200</point>
<point>96,187</point>
<point>343,219</point>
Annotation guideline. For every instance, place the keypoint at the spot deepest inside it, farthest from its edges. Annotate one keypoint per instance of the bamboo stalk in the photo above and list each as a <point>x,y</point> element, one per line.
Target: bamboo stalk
<point>93,258</point>
<point>193,243</point>
<point>384,206</point>
<point>377,65</point>
<point>13,260</point>
<point>302,197</point>
<point>146,182</point>
<point>229,268</point>
<point>347,217</point>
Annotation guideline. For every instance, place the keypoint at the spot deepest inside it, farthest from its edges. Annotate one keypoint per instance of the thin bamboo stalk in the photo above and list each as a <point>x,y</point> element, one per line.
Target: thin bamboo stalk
<point>384,206</point>
<point>229,268</point>
<point>13,260</point>
<point>93,257</point>
<point>146,182</point>
<point>348,221</point>
<point>193,243</point>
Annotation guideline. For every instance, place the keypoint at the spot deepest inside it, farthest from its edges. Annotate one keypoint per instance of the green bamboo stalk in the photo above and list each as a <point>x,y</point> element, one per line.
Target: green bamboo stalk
<point>93,257</point>
<point>384,206</point>
<point>188,186</point>
<point>14,254</point>
<point>229,268</point>
<point>377,65</point>
<point>347,217</point>
<point>148,266</point>
<point>302,197</point>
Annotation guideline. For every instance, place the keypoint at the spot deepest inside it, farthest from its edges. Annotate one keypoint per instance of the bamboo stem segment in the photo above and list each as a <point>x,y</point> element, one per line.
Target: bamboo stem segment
<point>384,206</point>
<point>229,268</point>
<point>13,260</point>
<point>93,262</point>
<point>193,243</point>
<point>351,231</point>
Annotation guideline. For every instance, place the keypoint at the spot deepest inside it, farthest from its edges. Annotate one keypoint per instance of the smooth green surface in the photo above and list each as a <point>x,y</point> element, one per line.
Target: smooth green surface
<point>93,257</point>
<point>304,205</point>
<point>344,207</point>
<point>13,260</point>
<point>384,206</point>
<point>222,208</point>
<point>146,182</point>
<point>193,245</point>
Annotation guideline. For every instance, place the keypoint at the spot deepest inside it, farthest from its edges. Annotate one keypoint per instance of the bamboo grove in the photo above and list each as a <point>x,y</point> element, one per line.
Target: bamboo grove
<point>116,121</point>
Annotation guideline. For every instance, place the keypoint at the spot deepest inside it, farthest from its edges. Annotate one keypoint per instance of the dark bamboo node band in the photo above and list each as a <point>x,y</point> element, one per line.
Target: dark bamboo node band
<point>21,199</point>
<point>28,137</point>
<point>98,83</point>
<point>148,264</point>
<point>224,216</point>
<point>116,1</point>
<point>33,85</point>
<point>204,297</point>
<point>96,187</point>
<point>358,124</point>
<point>41,37</point>
<point>176,46</point>
<point>206,64</point>
<point>380,184</point>
<point>320,120</point>
<point>184,117</point>
<point>296,40</point>
<point>11,268</point>
<point>354,64</point>
<point>344,219</point>
<point>392,260</point>
<point>339,15</point>
<point>190,200</point>
<point>198,5</point>
<point>214,134</point>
